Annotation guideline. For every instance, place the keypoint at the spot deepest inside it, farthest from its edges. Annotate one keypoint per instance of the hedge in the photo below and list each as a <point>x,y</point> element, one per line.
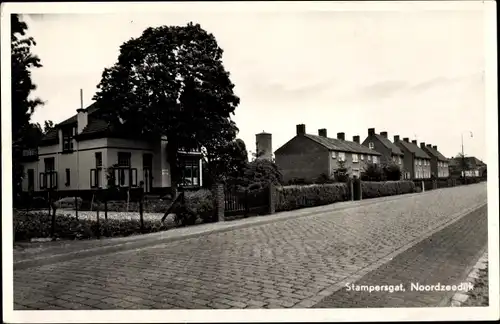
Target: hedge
<point>29,225</point>
<point>386,188</point>
<point>295,197</point>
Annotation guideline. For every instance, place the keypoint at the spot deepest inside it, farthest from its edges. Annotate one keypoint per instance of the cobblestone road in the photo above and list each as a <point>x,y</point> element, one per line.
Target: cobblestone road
<point>288,263</point>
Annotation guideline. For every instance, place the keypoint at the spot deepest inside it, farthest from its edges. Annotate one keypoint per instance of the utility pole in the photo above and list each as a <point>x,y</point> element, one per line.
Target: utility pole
<point>463,154</point>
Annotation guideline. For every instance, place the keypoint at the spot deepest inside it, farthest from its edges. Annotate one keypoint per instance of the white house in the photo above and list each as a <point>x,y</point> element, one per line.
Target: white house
<point>78,152</point>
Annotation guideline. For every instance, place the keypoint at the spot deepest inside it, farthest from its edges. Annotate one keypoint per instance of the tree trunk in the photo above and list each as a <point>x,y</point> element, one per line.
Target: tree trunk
<point>172,150</point>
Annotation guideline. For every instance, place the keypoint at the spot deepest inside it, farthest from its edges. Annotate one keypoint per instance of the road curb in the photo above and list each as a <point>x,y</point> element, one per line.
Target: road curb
<point>139,242</point>
<point>310,303</point>
<point>460,298</point>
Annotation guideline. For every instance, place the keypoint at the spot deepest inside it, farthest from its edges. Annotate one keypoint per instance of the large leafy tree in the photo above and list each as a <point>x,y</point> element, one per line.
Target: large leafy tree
<point>171,82</point>
<point>22,61</point>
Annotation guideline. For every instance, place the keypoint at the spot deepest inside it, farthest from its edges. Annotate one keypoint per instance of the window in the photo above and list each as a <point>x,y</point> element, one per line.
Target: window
<point>375,159</point>
<point>355,158</point>
<point>68,134</point>
<point>341,156</point>
<point>50,164</point>
<point>371,146</point>
<point>31,179</point>
<point>362,157</point>
<point>98,159</point>
<point>68,177</point>
<point>369,157</point>
<point>334,155</point>
<point>147,160</point>
<point>124,159</point>
<point>400,160</point>
<point>191,173</point>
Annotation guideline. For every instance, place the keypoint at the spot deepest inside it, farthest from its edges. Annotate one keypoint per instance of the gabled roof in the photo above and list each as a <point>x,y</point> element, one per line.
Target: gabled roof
<point>430,150</point>
<point>94,126</point>
<point>334,144</point>
<point>471,160</point>
<point>73,119</point>
<point>387,143</point>
<point>414,149</point>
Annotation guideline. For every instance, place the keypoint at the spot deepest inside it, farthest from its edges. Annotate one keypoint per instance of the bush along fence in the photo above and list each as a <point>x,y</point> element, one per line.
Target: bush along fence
<point>189,208</point>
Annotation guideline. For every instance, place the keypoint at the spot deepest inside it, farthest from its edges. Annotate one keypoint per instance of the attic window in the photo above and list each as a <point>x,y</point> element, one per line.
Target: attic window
<point>371,146</point>
<point>67,135</point>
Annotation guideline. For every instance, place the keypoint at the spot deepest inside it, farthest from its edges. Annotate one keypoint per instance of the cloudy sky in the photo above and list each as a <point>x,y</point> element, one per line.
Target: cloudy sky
<point>413,73</point>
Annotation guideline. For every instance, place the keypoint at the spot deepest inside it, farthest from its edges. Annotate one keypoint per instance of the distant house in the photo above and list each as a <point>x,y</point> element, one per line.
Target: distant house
<point>439,163</point>
<point>391,153</point>
<point>474,167</point>
<point>80,151</point>
<point>308,156</point>
<point>417,162</point>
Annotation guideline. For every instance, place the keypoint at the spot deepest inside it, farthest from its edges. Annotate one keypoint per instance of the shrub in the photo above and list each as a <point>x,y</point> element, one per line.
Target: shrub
<point>38,225</point>
<point>201,204</point>
<point>324,179</point>
<point>372,172</point>
<point>295,197</point>
<point>68,203</point>
<point>392,172</point>
<point>299,182</point>
<point>197,205</point>
<point>386,188</point>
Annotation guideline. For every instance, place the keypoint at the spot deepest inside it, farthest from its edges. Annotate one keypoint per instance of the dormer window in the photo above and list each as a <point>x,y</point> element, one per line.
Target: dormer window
<point>68,134</point>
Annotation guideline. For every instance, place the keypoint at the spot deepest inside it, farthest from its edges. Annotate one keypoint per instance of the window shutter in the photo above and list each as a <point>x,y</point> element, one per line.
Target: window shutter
<point>133,176</point>
<point>92,178</point>
<point>117,176</point>
<point>42,180</point>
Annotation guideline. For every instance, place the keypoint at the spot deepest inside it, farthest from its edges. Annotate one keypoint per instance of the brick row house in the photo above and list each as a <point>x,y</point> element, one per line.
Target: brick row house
<point>417,163</point>
<point>309,157</point>
<point>390,153</point>
<point>439,163</point>
<point>78,153</point>
<point>475,167</point>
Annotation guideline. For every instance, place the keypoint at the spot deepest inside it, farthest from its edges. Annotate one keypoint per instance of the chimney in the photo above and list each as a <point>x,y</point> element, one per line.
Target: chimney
<point>301,129</point>
<point>383,134</point>
<point>429,145</point>
<point>396,138</point>
<point>422,145</point>
<point>264,146</point>
<point>435,147</point>
<point>355,139</point>
<point>371,131</point>
<point>341,136</point>
<point>406,139</point>
<point>322,132</point>
<point>82,116</point>
<point>414,142</point>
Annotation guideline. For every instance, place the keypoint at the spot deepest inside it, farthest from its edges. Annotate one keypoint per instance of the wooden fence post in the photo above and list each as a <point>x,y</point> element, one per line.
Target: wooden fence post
<point>423,186</point>
<point>76,207</point>
<point>53,227</point>
<point>98,221</point>
<point>360,190</point>
<point>106,204</point>
<point>351,185</point>
<point>141,207</point>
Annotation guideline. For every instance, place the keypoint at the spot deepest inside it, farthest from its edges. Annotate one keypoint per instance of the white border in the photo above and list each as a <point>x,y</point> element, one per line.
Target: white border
<point>293,315</point>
